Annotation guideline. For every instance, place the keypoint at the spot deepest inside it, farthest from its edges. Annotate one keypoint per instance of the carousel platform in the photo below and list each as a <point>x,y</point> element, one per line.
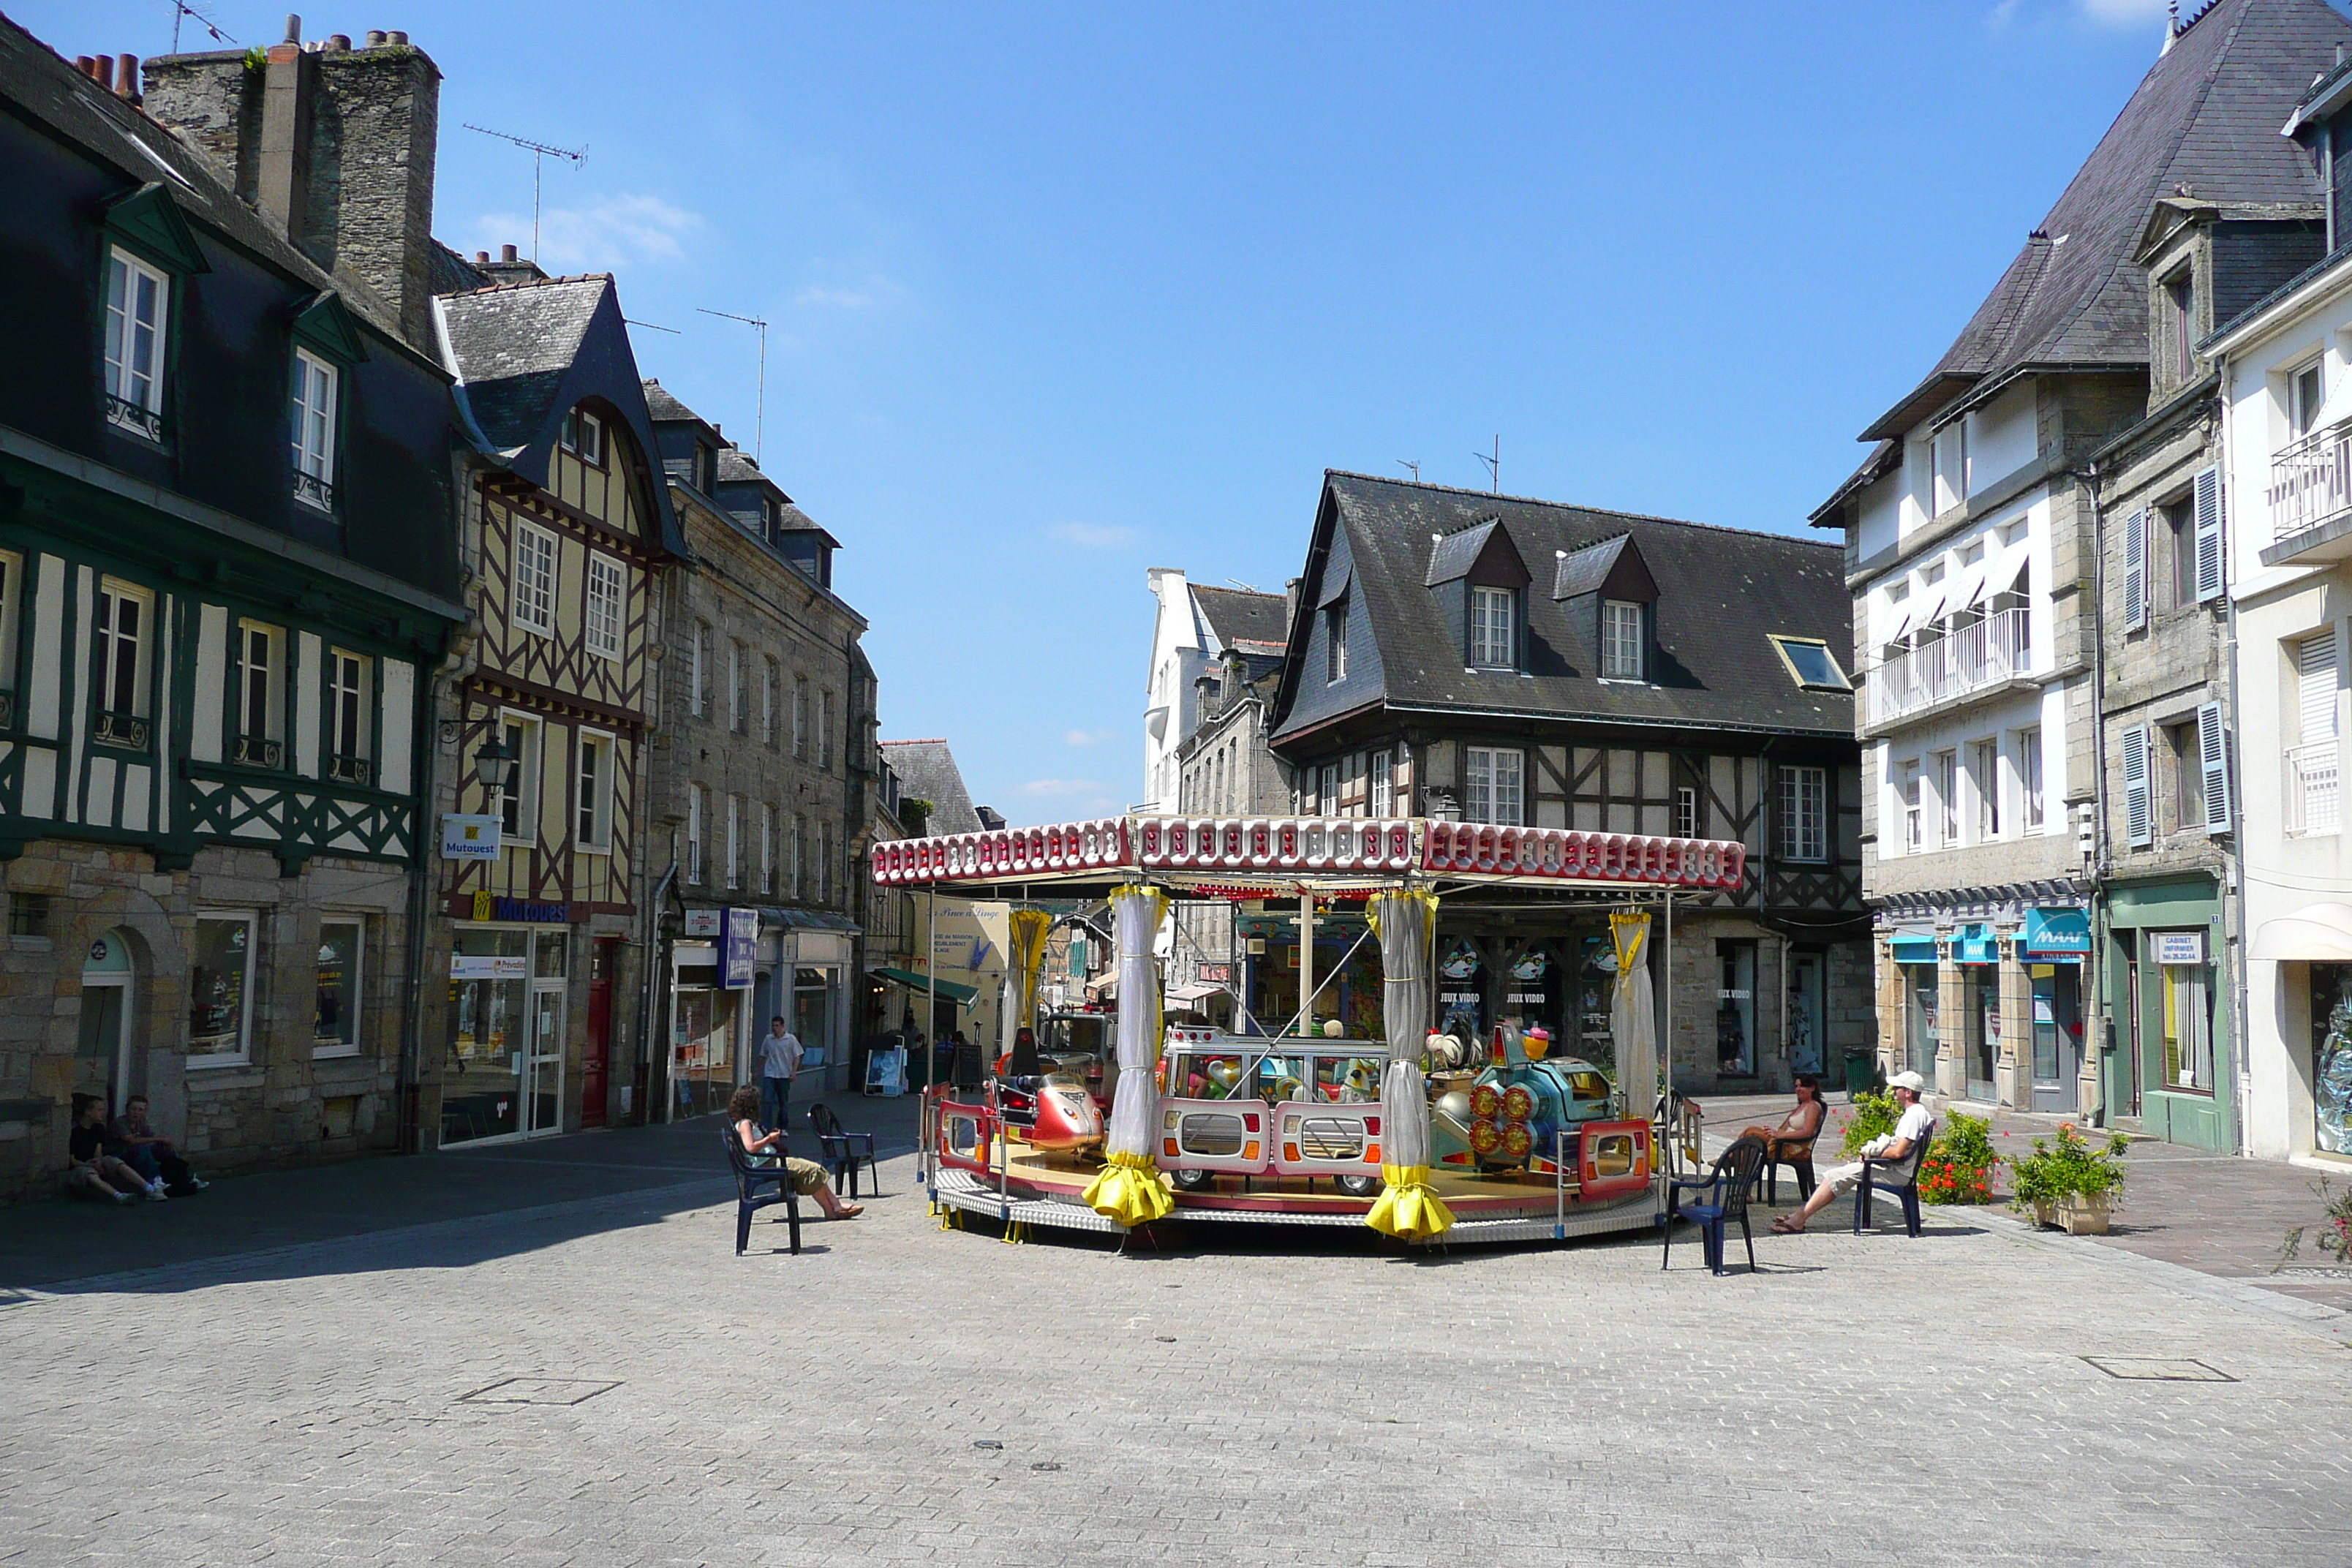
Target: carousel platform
<point>1042,1189</point>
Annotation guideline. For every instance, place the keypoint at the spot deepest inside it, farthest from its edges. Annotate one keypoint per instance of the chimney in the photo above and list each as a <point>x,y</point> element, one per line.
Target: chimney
<point>1290,604</point>
<point>510,268</point>
<point>126,78</point>
<point>336,144</point>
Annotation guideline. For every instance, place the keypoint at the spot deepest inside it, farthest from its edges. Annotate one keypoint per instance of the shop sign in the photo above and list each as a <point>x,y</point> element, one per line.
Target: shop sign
<point>735,952</point>
<point>702,923</point>
<point>1975,944</point>
<point>466,836</point>
<point>1219,973</point>
<point>489,966</point>
<point>2179,949</point>
<point>489,907</point>
<point>2057,933</point>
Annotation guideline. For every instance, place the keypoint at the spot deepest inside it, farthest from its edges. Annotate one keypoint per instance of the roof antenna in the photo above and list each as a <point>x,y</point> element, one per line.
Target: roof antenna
<point>1408,463</point>
<point>1494,467</point>
<point>758,418</point>
<point>540,152</point>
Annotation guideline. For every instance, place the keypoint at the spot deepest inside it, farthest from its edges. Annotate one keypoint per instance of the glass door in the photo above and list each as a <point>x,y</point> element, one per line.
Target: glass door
<point>1806,1012</point>
<point>1921,1041</point>
<point>481,1071</point>
<point>2057,1036</point>
<point>542,1095</point>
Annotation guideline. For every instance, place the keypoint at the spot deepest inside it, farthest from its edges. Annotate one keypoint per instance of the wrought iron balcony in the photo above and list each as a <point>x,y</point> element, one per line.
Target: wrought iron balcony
<point>1993,652</point>
<point>2313,795</point>
<point>349,771</point>
<point>253,751</point>
<point>8,708</point>
<point>145,422</point>
<point>127,731</point>
<point>2311,499</point>
<point>311,488</point>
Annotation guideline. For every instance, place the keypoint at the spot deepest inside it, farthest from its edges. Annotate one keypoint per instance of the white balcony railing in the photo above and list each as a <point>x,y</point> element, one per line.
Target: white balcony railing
<point>1995,649</point>
<point>2311,482</point>
<point>2314,800</point>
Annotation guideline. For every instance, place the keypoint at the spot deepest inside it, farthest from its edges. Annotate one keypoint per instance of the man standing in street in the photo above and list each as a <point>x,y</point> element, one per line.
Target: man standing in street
<point>779,1063</point>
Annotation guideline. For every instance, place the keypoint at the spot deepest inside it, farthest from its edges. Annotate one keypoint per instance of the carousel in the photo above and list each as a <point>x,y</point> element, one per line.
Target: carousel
<point>1424,1136</point>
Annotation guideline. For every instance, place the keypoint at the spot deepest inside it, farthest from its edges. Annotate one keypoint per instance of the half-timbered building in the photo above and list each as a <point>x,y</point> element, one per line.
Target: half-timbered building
<point>226,572</point>
<point>1456,654</point>
<point>566,523</point>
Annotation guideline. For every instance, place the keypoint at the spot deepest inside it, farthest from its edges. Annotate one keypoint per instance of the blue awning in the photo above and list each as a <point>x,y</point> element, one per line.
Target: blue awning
<point>1912,944</point>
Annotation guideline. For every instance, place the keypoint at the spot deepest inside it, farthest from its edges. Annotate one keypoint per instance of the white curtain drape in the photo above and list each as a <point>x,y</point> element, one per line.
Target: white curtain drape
<point>1407,1207</point>
<point>1634,1017</point>
<point>1131,1189</point>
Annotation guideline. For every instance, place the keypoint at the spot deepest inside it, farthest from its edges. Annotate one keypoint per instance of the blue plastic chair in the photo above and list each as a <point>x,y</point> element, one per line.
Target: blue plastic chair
<point>840,1149</point>
<point>1897,1179</point>
<point>750,1179</point>
<point>1727,1189</point>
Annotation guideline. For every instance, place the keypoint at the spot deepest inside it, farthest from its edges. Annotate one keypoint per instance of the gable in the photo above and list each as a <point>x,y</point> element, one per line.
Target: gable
<point>149,220</point>
<point>1614,569</point>
<point>326,324</point>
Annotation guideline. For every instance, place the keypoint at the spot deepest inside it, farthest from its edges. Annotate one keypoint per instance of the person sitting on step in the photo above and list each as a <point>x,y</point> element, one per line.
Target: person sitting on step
<point>93,1167</point>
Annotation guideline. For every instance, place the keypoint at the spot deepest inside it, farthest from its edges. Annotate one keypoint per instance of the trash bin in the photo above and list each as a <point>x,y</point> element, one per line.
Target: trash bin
<point>1860,1070</point>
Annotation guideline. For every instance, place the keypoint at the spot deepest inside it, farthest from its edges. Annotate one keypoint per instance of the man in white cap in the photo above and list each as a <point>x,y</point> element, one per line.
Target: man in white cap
<point>1901,1146</point>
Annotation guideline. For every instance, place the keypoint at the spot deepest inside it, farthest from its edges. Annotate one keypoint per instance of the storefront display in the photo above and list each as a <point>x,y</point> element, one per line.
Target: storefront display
<point>2331,1058</point>
<point>2185,999</point>
<point>1735,1010</point>
<point>503,1073</point>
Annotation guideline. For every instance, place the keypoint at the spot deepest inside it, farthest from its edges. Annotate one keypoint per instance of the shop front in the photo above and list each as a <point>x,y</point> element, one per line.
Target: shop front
<point>503,1074</point>
<point>2301,1104</point>
<point>2167,1008</point>
<point>2053,945</point>
<point>1977,950</point>
<point>1912,951</point>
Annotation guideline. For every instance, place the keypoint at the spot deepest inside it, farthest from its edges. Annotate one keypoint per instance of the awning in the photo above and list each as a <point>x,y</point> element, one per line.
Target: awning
<point>1104,984</point>
<point>2319,933</point>
<point>1912,944</point>
<point>1195,992</point>
<point>959,995</point>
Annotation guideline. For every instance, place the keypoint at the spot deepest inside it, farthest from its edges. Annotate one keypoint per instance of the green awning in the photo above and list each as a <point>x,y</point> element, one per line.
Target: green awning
<point>960,995</point>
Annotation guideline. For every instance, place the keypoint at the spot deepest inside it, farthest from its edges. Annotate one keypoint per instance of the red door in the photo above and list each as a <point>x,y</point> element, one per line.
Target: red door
<point>599,1067</point>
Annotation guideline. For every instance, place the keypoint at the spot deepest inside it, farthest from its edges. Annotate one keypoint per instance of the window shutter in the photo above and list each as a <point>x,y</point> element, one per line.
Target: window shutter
<point>2139,817</point>
<point>2136,571</point>
<point>2316,687</point>
<point>2209,567</point>
<point>2213,755</point>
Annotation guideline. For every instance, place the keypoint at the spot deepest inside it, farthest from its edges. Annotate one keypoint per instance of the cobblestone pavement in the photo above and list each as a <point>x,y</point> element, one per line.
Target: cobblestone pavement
<point>2214,1212</point>
<point>897,1394</point>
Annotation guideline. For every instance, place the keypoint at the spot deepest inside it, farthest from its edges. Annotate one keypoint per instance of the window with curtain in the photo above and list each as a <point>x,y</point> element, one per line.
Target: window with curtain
<point>1492,620</point>
<point>534,579</point>
<point>314,429</point>
<point>138,301</point>
<point>1382,774</point>
<point>607,596</point>
<point>1805,814</point>
<point>1620,640</point>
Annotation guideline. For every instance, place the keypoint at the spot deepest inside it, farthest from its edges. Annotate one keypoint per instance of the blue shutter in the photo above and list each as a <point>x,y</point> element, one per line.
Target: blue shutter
<point>2212,570</point>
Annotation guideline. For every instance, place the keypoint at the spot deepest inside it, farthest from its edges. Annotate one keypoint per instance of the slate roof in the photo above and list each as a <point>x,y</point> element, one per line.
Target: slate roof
<point>45,86</point>
<point>1241,618</point>
<point>1720,590</point>
<point>1584,571</point>
<point>2207,116</point>
<point>927,771</point>
<point>1452,556</point>
<point>525,353</point>
<point>663,407</point>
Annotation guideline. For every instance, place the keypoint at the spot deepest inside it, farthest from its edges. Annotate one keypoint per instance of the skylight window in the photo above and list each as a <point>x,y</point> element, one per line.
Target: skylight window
<point>1811,662</point>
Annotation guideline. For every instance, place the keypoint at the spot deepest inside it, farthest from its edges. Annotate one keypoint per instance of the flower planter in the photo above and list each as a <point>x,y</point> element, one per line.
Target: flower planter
<point>2077,1213</point>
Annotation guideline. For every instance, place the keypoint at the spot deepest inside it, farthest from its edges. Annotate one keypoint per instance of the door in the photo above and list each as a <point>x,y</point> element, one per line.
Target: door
<point>2057,1036</point>
<point>542,1066</point>
<point>1806,1012</point>
<point>103,1048</point>
<point>596,1068</point>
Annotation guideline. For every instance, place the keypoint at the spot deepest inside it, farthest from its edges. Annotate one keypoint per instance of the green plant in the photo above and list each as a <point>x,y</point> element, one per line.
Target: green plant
<point>2072,1169</point>
<point>1873,1117</point>
<point>255,60</point>
<point>2335,1227</point>
<point>1959,1164</point>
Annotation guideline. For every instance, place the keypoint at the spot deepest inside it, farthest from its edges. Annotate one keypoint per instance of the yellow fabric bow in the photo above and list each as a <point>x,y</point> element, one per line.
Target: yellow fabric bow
<point>1409,1207</point>
<point>1132,1190</point>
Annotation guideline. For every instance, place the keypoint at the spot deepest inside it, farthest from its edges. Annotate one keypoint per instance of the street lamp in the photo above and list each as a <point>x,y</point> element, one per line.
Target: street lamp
<point>494,761</point>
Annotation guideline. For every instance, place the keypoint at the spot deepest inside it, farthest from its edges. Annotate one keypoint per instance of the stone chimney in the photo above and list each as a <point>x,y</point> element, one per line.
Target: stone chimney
<point>334,145</point>
<point>510,267</point>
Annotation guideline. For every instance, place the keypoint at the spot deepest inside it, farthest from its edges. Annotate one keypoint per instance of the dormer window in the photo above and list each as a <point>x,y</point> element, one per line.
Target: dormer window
<point>1335,635</point>
<point>1493,623</point>
<point>315,384</point>
<point>1620,640</point>
<point>583,437</point>
<point>2179,320</point>
<point>1808,660</point>
<point>137,301</point>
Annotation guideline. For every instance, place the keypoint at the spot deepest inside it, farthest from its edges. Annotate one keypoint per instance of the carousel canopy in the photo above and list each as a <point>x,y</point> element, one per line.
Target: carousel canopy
<point>1243,854</point>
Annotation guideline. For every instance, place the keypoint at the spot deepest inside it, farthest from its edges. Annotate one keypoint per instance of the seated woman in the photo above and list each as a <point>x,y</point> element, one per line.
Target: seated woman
<point>1798,1129</point>
<point>807,1175</point>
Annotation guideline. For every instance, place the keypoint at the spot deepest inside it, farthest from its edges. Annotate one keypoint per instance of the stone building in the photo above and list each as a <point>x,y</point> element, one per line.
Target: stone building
<point>957,963</point>
<point>1193,631</point>
<point>1496,659</point>
<point>2035,552</point>
<point>227,579</point>
<point>760,781</point>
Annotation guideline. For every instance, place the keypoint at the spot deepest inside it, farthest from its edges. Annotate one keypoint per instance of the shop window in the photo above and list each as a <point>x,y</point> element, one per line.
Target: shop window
<point>1980,1028</point>
<point>1735,1008</point>
<point>2331,1058</point>
<point>220,988</point>
<point>1921,1041</point>
<point>2184,1010</point>
<point>335,1017</point>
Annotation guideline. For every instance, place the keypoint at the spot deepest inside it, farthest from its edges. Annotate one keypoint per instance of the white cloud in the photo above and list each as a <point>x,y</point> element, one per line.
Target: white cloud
<point>1091,737</point>
<point>1094,535</point>
<point>2123,12</point>
<point>1060,786</point>
<point>875,291</point>
<point>603,232</point>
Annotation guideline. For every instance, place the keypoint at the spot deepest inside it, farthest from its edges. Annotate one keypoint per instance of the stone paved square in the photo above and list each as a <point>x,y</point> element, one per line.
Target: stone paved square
<point>1857,1400</point>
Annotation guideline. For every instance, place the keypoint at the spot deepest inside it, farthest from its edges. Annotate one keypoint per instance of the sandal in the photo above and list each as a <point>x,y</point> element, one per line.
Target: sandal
<point>848,1211</point>
<point>1782,1227</point>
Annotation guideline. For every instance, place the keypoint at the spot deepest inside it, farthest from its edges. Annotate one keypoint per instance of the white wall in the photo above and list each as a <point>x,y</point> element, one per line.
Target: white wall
<point>2004,436</point>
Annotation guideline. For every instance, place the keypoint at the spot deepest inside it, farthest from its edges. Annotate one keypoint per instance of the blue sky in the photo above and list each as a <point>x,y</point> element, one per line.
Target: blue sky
<point>1057,293</point>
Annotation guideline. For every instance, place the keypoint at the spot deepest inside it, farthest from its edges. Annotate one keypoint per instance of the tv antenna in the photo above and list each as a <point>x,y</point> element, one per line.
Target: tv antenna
<point>760,418</point>
<point>1411,467</point>
<point>181,10</point>
<point>1494,467</point>
<point>540,152</point>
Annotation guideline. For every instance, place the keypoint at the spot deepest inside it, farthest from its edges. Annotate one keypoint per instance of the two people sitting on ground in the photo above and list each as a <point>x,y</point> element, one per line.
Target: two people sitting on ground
<point>761,1145</point>
<point>93,1168</point>
<point>130,1138</point>
<point>1794,1137</point>
<point>1901,1145</point>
